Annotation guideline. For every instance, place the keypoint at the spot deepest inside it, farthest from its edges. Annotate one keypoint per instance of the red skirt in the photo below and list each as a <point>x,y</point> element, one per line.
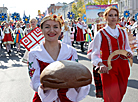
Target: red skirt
<point>80,36</point>
<point>8,39</point>
<point>114,84</point>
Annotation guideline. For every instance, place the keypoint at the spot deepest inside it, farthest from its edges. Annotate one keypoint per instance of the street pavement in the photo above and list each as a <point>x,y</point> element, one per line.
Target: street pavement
<point>14,78</point>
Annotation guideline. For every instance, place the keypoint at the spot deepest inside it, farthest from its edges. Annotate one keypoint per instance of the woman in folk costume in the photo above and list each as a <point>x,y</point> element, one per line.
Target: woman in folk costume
<point>80,33</point>
<point>107,40</point>
<point>133,28</point>
<point>1,38</point>
<point>137,36</point>
<point>122,22</point>
<point>66,33</point>
<point>88,35</point>
<point>8,37</point>
<point>72,31</point>
<point>18,36</point>
<point>49,51</point>
<point>33,23</point>
<point>27,29</point>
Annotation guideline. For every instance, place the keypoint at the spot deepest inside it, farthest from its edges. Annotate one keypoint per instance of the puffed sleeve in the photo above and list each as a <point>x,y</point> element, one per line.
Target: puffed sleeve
<point>24,31</point>
<point>127,47</point>
<point>74,55</point>
<point>80,26</point>
<point>95,56</point>
<point>2,35</point>
<point>11,30</point>
<point>34,72</point>
<point>89,52</point>
<point>71,29</point>
<point>21,30</point>
<point>14,31</point>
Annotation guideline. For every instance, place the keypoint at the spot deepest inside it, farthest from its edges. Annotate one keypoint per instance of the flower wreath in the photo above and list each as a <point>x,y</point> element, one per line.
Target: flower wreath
<point>54,18</point>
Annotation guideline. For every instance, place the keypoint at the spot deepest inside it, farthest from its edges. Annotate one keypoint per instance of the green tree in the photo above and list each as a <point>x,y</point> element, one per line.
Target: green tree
<point>89,3</point>
<point>78,8</point>
<point>103,2</point>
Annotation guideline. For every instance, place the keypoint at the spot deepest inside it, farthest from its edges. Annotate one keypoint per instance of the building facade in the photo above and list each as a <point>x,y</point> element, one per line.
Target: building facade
<point>54,7</point>
<point>3,9</point>
<point>130,5</point>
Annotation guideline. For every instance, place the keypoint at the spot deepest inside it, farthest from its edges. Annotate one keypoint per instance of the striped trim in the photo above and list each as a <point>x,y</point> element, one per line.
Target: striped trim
<point>113,59</point>
<point>8,42</point>
<point>17,38</point>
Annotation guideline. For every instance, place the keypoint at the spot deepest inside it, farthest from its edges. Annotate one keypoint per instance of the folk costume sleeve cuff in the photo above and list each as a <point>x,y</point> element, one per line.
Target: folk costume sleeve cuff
<point>49,96</point>
<point>77,95</point>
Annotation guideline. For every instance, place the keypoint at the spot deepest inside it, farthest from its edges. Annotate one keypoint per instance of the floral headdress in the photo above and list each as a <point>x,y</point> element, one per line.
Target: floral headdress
<point>54,18</point>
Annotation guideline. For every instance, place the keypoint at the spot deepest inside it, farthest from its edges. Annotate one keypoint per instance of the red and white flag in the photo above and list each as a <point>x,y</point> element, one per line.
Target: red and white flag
<point>32,39</point>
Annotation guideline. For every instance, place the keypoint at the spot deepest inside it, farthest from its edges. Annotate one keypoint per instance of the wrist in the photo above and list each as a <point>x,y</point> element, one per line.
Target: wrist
<point>100,64</point>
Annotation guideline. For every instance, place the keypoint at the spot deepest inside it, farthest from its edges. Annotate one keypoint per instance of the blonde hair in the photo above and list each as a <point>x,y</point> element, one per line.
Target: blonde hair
<point>66,26</point>
<point>18,24</point>
<point>33,19</point>
<point>108,9</point>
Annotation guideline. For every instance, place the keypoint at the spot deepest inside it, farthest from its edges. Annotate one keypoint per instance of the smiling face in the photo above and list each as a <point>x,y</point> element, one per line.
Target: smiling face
<point>51,30</point>
<point>112,18</point>
<point>33,23</point>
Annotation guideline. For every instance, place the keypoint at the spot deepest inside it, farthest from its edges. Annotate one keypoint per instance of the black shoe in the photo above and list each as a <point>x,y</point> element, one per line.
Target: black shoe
<point>82,50</point>
<point>9,51</point>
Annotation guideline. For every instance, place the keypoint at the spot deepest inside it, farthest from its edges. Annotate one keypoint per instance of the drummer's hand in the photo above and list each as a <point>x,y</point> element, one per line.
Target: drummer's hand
<point>129,55</point>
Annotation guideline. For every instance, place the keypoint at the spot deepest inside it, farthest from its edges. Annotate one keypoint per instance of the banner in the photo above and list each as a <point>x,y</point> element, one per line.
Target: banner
<point>32,39</point>
<point>94,13</point>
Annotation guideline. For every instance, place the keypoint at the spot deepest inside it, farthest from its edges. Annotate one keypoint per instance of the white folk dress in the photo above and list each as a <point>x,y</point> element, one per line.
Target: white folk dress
<point>40,54</point>
<point>26,31</point>
<point>1,35</point>
<point>66,36</point>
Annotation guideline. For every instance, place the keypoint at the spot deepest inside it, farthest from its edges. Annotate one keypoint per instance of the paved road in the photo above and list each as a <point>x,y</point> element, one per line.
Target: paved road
<point>14,79</point>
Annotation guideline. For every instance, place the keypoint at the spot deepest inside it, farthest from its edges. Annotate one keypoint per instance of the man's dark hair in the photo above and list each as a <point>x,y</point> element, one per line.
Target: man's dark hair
<point>78,18</point>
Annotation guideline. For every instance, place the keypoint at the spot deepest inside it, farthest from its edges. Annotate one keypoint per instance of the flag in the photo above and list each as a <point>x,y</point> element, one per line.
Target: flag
<point>32,39</point>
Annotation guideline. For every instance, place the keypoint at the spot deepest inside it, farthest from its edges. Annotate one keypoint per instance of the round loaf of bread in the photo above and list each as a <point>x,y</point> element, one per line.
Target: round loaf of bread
<point>65,74</point>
